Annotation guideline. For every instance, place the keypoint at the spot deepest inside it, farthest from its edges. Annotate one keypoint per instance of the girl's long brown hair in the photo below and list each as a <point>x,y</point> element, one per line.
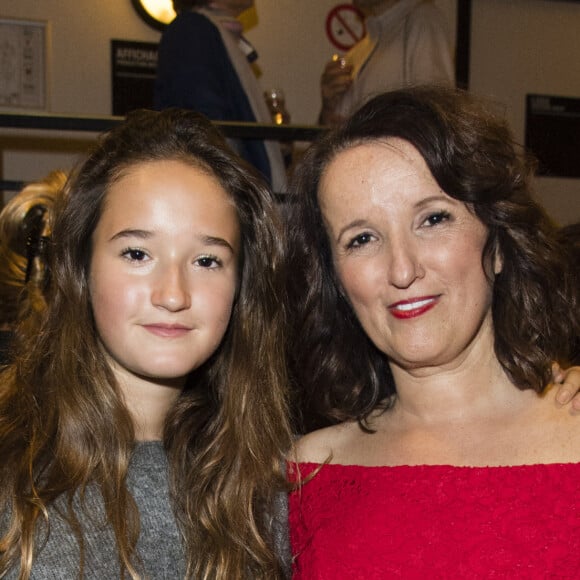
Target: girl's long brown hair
<point>63,423</point>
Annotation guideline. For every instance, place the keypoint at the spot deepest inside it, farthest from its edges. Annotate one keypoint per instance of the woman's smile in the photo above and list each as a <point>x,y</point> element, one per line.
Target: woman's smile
<point>414,307</point>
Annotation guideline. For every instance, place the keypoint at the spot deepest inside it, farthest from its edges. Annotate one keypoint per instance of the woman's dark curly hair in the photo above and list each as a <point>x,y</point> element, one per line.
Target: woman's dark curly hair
<point>472,155</point>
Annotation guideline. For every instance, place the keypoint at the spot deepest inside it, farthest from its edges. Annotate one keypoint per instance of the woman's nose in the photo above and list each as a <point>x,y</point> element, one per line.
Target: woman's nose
<point>404,264</point>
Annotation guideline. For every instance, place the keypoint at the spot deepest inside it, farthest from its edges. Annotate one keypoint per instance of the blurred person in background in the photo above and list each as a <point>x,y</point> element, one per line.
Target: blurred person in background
<point>205,65</point>
<point>406,44</point>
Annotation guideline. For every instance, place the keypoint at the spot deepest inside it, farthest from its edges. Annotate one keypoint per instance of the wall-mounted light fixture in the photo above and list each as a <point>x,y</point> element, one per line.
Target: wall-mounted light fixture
<point>156,13</point>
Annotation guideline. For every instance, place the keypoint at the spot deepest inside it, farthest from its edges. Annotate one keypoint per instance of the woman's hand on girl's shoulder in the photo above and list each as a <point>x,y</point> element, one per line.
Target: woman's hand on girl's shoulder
<point>568,383</point>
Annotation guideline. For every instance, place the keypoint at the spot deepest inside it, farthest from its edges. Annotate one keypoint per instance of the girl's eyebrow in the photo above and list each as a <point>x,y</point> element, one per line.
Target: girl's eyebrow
<point>132,233</point>
<point>147,234</point>
<point>214,241</point>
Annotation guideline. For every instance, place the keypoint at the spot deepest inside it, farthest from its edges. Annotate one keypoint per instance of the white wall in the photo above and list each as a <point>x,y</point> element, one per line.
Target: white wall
<point>518,46</point>
<point>289,35</point>
<point>79,75</point>
<point>529,46</point>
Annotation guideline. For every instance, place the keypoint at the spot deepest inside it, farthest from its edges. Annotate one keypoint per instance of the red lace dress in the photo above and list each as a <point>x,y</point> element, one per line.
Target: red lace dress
<point>433,522</point>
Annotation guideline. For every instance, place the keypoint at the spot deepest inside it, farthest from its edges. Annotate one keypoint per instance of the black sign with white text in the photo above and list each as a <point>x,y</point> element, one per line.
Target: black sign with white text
<point>133,65</point>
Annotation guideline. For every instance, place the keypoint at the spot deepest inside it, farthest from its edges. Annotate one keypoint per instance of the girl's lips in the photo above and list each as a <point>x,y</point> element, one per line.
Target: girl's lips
<point>414,307</point>
<point>167,330</point>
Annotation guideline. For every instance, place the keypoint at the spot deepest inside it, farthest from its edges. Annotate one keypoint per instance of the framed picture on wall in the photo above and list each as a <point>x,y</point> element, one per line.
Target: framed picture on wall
<point>23,64</point>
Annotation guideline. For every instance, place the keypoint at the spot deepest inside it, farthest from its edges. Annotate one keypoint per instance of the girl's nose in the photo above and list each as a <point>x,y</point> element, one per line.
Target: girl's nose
<point>171,290</point>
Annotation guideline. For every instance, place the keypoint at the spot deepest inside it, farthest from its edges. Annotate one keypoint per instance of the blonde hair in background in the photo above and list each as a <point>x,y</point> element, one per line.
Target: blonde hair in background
<point>14,246</point>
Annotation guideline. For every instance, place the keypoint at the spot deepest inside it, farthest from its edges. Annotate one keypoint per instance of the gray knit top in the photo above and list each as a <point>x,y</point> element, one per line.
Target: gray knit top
<point>159,547</point>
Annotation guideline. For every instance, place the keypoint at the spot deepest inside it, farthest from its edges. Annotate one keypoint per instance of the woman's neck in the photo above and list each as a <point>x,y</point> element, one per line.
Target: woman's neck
<point>473,385</point>
<point>457,397</point>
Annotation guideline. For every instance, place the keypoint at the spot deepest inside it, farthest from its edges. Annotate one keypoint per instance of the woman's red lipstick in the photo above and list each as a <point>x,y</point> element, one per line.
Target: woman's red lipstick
<point>412,308</point>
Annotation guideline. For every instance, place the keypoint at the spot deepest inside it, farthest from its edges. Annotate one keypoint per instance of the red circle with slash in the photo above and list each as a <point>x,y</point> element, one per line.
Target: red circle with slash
<point>345,26</point>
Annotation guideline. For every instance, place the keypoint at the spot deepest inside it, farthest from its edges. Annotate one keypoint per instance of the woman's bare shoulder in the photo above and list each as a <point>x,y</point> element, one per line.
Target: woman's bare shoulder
<point>554,430</point>
<point>324,444</point>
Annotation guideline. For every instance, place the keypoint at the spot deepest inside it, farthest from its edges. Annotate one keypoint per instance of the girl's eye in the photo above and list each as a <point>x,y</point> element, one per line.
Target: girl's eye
<point>134,254</point>
<point>208,262</point>
<point>360,240</point>
<point>437,218</point>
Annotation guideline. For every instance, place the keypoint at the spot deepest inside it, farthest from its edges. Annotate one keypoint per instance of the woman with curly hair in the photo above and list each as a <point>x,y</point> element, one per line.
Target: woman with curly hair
<point>432,297</point>
<point>143,427</point>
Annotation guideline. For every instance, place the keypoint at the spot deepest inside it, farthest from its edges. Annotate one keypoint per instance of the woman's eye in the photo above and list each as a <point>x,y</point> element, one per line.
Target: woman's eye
<point>208,262</point>
<point>134,254</point>
<point>360,240</point>
<point>437,218</point>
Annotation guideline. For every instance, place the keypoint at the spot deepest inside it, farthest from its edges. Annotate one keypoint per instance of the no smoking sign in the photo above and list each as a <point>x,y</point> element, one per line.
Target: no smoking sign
<point>345,26</point>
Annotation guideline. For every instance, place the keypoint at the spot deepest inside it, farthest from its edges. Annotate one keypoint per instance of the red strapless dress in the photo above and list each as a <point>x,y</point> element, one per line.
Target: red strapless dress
<point>428,522</point>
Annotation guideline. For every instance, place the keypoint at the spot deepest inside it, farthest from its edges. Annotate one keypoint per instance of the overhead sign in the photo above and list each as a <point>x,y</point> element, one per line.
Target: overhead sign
<point>133,67</point>
<point>345,26</point>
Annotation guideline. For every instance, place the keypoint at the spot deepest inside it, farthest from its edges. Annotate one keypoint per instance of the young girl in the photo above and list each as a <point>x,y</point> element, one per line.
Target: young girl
<point>142,429</point>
